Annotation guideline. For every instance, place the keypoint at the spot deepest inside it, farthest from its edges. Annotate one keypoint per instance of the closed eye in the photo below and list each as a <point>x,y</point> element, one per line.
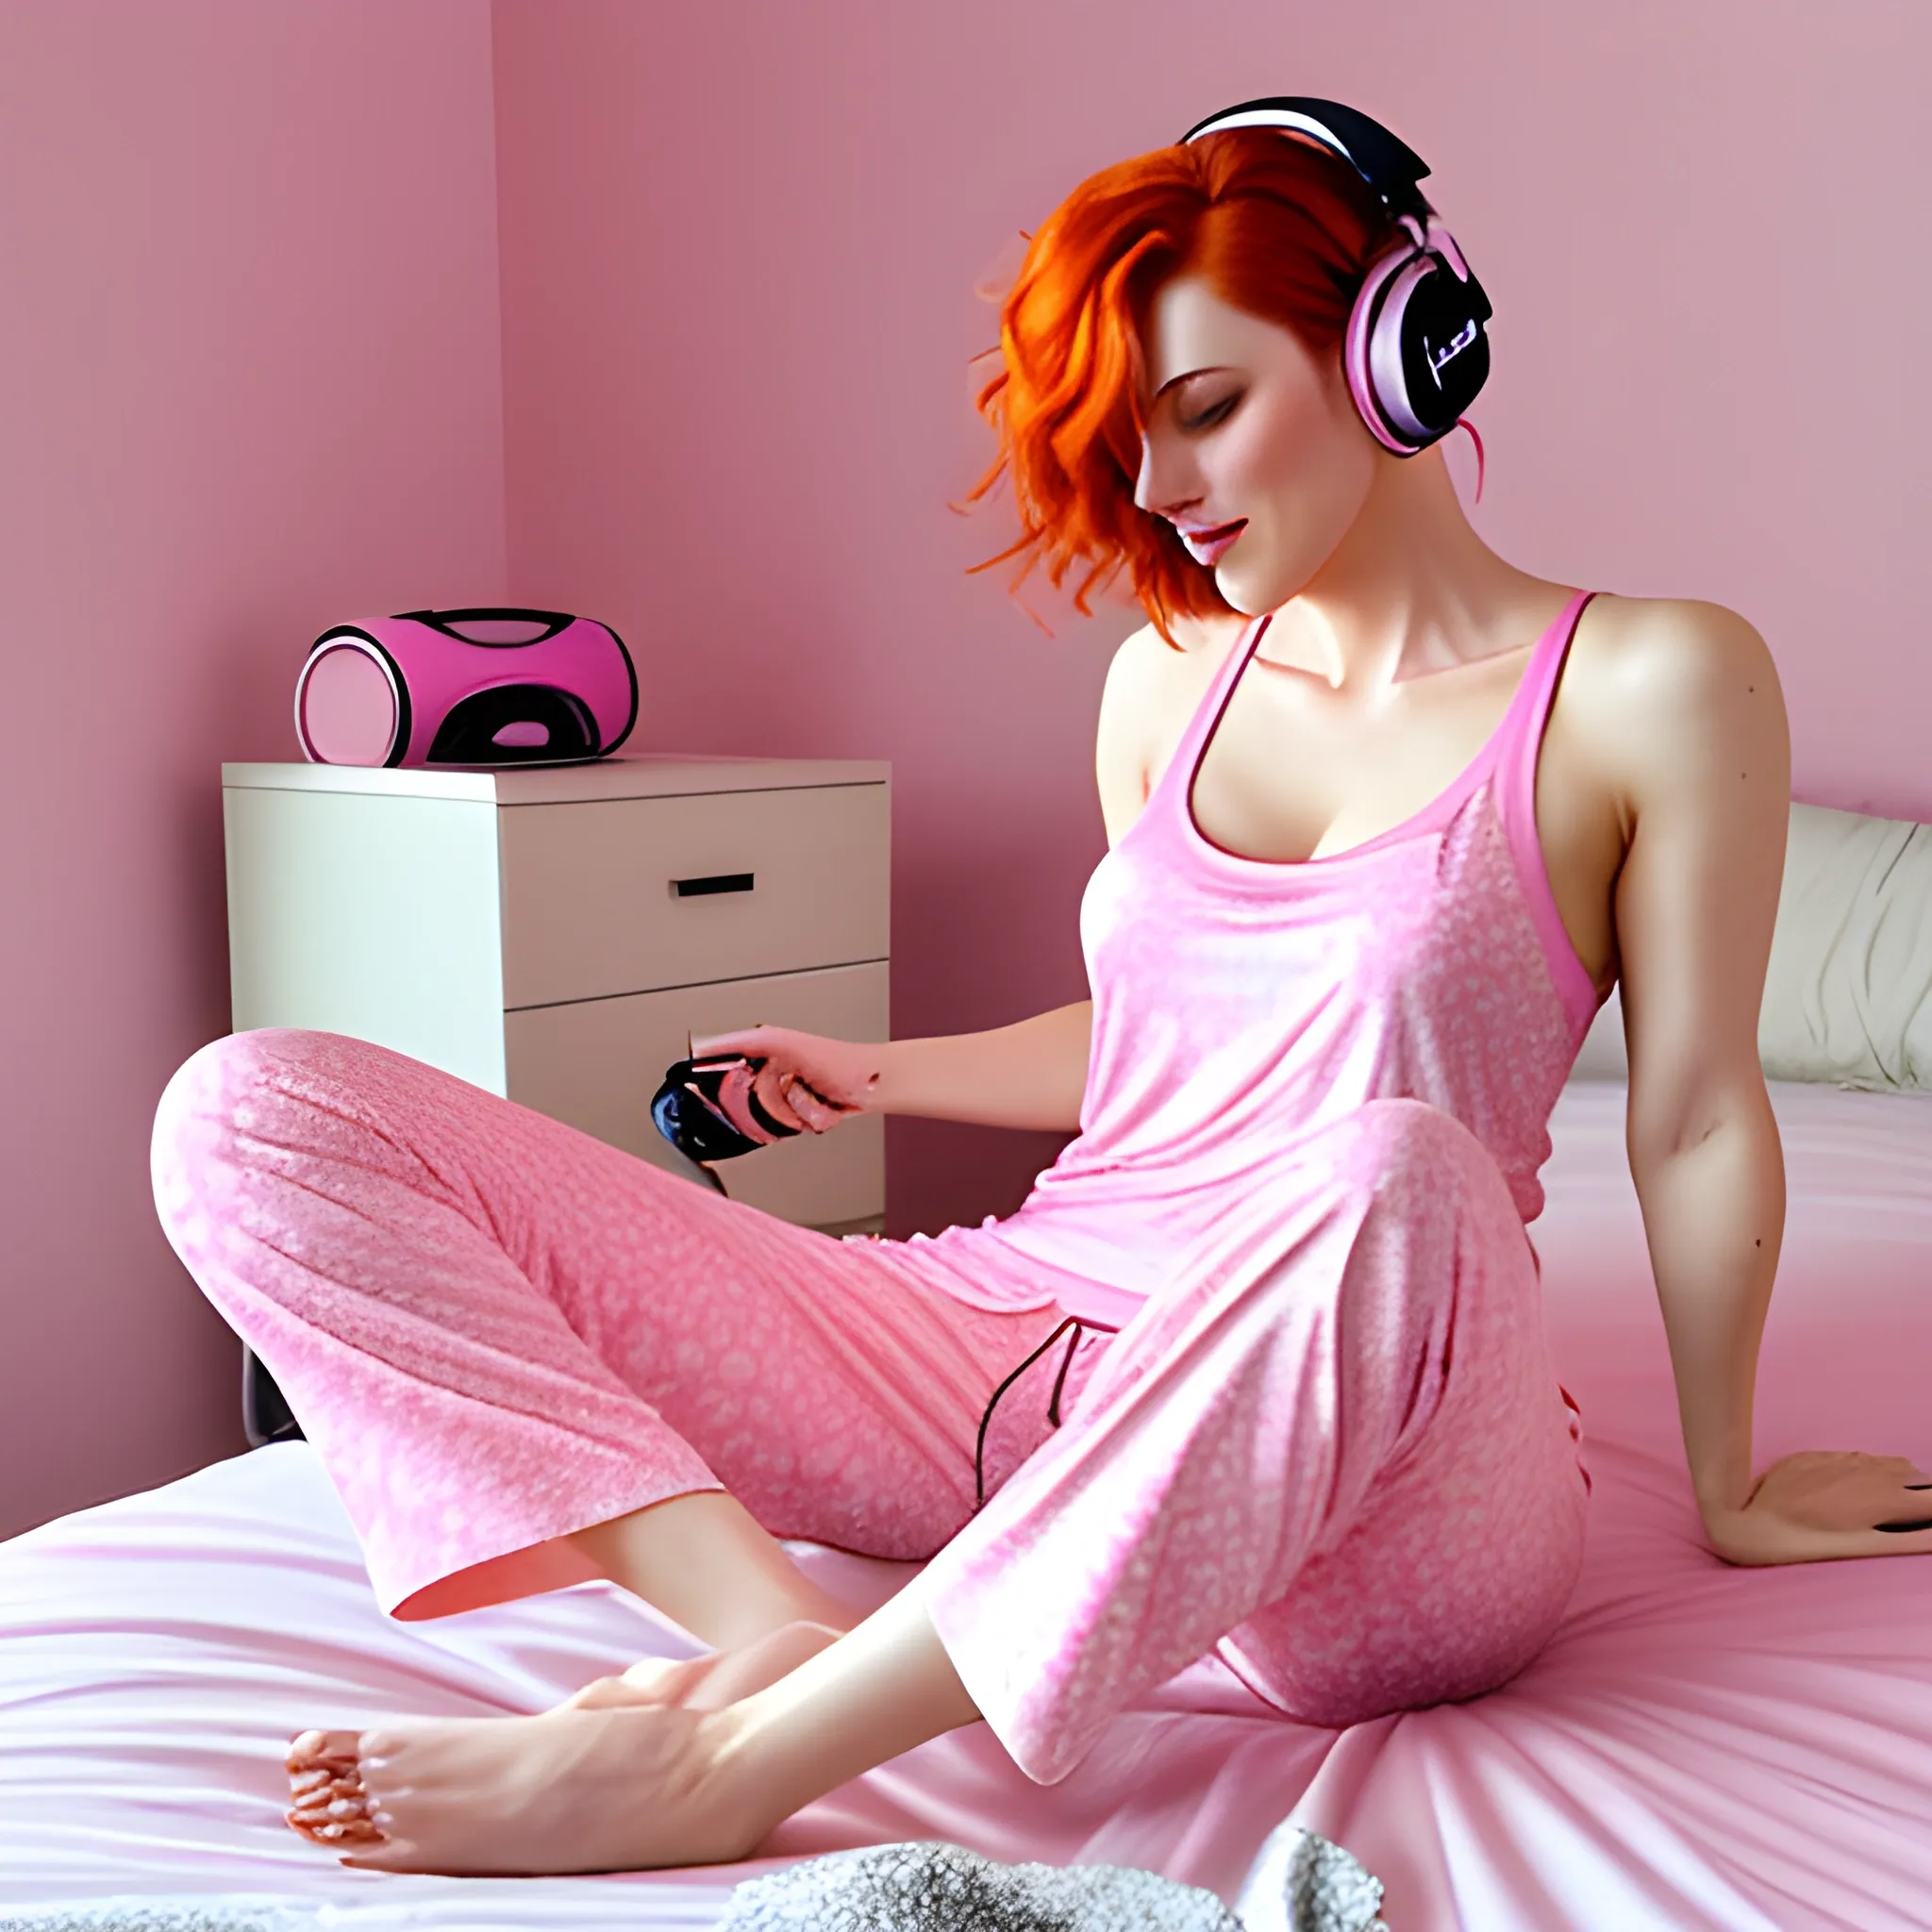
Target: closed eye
<point>1214,413</point>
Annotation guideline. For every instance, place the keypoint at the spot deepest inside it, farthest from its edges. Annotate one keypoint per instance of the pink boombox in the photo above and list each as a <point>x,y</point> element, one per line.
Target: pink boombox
<point>483,687</point>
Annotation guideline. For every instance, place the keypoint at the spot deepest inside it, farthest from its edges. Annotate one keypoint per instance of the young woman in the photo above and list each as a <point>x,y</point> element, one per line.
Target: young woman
<point>1388,818</point>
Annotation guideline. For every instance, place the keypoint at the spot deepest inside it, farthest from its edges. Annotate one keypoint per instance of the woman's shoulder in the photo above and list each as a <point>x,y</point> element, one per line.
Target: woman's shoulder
<point>1676,642</point>
<point>1152,687</point>
<point>1148,671</point>
<point>1151,683</point>
<point>1664,678</point>
<point>1210,637</point>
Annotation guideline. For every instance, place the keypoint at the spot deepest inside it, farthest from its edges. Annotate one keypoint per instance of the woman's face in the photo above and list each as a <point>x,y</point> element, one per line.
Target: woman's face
<point>1251,449</point>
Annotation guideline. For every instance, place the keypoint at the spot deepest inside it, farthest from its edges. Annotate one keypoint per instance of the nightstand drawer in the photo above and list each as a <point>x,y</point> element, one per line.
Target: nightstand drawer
<point>596,1063</point>
<point>625,895</point>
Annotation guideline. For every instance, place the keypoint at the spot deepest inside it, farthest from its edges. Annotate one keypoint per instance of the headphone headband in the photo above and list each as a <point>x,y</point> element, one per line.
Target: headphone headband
<point>1389,165</point>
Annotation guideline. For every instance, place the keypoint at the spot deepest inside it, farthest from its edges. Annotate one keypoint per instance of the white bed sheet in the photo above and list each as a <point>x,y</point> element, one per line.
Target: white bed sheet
<point>1700,1747</point>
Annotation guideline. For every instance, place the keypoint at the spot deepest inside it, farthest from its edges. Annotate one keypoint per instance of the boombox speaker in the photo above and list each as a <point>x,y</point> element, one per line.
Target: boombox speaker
<point>484,686</point>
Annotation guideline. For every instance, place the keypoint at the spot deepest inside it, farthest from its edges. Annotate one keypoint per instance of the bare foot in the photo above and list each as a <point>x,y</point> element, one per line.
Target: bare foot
<point>624,1789</point>
<point>708,1683</point>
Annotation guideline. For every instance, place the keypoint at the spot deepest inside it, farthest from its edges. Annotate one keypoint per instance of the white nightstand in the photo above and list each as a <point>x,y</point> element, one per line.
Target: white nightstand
<point>553,933</point>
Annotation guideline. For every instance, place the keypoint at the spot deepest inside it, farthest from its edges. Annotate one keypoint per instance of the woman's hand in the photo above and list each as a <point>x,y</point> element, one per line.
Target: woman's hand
<point>802,1081</point>
<point>1820,1504</point>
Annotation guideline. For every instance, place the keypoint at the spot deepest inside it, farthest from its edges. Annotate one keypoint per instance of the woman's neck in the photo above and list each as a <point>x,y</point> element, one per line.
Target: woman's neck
<point>1410,589</point>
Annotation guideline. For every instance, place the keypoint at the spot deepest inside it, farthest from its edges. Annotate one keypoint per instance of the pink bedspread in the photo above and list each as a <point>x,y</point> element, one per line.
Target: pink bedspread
<point>1700,1747</point>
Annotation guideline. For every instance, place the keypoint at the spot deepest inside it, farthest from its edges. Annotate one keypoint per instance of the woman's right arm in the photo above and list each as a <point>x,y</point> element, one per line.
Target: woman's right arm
<point>1029,1074</point>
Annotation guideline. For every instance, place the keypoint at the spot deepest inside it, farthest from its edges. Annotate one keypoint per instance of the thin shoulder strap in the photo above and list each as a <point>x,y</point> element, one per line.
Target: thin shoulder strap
<point>1214,699</point>
<point>1514,791</point>
<point>1540,677</point>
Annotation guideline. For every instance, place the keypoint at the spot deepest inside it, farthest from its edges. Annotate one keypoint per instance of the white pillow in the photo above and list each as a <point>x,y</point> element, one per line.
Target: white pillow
<point>1848,996</point>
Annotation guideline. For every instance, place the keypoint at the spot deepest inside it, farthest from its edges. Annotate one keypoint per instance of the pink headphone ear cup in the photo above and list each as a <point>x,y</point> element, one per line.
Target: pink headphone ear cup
<point>1367,342</point>
<point>1386,374</point>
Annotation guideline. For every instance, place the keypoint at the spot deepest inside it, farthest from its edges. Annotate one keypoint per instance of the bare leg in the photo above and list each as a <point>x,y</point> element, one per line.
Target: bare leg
<point>706,1562</point>
<point>627,1789</point>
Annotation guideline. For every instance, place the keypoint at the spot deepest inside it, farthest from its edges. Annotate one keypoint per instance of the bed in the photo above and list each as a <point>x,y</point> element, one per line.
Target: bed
<point>1699,1747</point>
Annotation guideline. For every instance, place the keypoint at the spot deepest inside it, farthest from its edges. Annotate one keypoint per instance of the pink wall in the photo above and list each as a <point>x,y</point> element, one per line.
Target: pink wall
<point>251,380</point>
<point>738,245</point>
<point>249,383</point>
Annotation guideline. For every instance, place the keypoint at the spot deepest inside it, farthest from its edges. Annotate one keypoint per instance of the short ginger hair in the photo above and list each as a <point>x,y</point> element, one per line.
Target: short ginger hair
<point>1276,225</point>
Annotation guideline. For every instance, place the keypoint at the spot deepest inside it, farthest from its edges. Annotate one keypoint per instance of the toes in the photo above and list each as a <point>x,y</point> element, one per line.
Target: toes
<point>325,1784</point>
<point>313,1748</point>
<point>328,1804</point>
<point>337,1809</point>
<point>332,1804</point>
<point>340,1831</point>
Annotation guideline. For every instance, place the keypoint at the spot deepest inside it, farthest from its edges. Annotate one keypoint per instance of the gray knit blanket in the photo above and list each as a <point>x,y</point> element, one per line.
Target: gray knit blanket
<point>905,1887</point>
<point>943,1887</point>
<point>194,1912</point>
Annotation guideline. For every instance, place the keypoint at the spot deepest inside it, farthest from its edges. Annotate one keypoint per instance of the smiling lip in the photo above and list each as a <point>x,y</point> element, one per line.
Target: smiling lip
<point>1205,546</point>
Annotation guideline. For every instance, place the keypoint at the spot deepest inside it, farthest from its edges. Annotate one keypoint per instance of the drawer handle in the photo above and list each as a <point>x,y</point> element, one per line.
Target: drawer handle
<point>716,882</point>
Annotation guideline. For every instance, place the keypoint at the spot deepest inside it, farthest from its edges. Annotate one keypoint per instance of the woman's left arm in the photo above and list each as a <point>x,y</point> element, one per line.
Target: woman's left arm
<point>1695,729</point>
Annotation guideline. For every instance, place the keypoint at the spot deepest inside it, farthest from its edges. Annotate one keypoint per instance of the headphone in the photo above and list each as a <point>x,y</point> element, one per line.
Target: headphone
<point>1415,352</point>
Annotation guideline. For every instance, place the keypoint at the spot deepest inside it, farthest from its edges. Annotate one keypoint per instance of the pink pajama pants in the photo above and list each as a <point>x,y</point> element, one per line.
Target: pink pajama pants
<point>1332,1446</point>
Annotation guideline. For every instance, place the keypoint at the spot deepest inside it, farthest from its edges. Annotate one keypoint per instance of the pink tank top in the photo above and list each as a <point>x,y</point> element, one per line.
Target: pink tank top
<point>1241,1004</point>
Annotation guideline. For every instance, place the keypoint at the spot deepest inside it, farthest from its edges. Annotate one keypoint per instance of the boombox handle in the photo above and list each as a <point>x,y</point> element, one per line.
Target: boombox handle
<point>446,621</point>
